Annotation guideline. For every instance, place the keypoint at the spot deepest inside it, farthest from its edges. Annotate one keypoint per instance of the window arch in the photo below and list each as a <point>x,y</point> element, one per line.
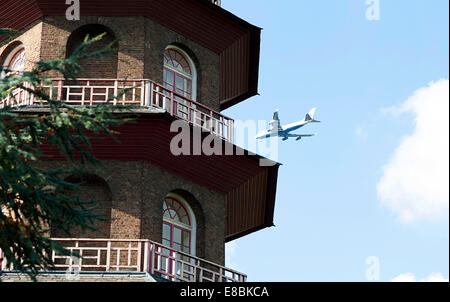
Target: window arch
<point>179,224</point>
<point>14,64</point>
<point>179,74</point>
<point>15,61</point>
<point>107,67</point>
<point>95,188</point>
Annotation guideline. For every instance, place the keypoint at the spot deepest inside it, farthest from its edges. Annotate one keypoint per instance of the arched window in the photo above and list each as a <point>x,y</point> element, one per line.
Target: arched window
<point>14,64</point>
<point>94,188</point>
<point>15,61</point>
<point>93,67</point>
<point>179,76</point>
<point>179,225</point>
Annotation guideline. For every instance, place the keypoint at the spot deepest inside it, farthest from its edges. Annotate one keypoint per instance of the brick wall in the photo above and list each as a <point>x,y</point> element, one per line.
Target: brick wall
<point>141,45</point>
<point>137,191</point>
<point>128,30</point>
<point>96,189</point>
<point>206,62</point>
<point>93,67</point>
<point>30,38</point>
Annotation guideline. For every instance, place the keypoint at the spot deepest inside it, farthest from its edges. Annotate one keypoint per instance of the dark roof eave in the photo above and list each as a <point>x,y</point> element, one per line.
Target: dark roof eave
<point>228,14</point>
<point>270,205</point>
<point>255,50</point>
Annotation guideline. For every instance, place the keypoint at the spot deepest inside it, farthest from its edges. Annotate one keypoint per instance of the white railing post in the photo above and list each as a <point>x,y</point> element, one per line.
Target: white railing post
<point>211,121</point>
<point>59,97</point>
<point>231,130</point>
<point>152,258</point>
<point>77,244</point>
<point>143,93</point>
<point>25,94</point>
<point>83,93</point>
<point>158,96</point>
<point>53,256</point>
<point>173,259</point>
<point>118,259</point>
<point>150,87</point>
<point>139,254</point>
<point>80,261</point>
<point>31,100</point>
<point>116,91</point>
<point>200,277</point>
<point>173,106</point>
<point>129,254</point>
<point>108,255</point>
<point>51,89</point>
<point>145,265</point>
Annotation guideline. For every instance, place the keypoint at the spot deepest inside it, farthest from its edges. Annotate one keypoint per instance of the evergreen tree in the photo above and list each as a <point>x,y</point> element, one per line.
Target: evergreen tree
<point>33,199</point>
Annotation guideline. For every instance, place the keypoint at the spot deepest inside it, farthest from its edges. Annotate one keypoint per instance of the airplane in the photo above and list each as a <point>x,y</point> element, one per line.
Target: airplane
<point>284,131</point>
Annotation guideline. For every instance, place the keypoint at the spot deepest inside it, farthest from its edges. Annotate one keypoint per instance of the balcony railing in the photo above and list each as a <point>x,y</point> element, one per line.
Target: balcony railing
<point>140,255</point>
<point>142,92</point>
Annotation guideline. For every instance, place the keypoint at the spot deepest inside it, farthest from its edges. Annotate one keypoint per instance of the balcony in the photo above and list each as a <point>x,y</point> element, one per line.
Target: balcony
<point>139,255</point>
<point>139,92</point>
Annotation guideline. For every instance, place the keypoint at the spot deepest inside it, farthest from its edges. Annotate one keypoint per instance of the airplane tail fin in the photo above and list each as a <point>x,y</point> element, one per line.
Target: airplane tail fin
<point>310,115</point>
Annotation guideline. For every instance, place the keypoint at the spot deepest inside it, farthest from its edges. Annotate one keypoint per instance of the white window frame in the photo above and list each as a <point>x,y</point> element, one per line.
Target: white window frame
<point>191,65</point>
<point>192,228</point>
<point>10,56</point>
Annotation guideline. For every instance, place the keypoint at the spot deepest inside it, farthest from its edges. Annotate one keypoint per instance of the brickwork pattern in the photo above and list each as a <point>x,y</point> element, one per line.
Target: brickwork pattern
<point>141,45</point>
<point>31,40</point>
<point>137,191</point>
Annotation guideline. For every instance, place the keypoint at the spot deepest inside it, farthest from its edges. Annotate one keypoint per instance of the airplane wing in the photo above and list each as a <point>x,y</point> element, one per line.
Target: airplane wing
<point>299,135</point>
<point>276,121</point>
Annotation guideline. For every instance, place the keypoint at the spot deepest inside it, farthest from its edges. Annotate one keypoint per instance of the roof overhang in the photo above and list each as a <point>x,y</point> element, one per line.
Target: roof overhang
<point>236,41</point>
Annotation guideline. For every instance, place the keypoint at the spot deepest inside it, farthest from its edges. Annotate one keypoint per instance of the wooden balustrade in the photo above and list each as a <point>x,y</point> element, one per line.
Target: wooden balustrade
<point>138,255</point>
<point>139,92</point>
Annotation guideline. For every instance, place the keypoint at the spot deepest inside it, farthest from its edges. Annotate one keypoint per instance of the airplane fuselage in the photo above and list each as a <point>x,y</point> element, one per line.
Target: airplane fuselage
<point>284,130</point>
<point>276,130</point>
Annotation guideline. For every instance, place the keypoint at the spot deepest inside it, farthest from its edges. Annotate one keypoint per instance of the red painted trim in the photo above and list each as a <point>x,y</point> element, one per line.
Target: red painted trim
<point>169,50</point>
<point>181,205</point>
<point>13,57</point>
<point>173,226</point>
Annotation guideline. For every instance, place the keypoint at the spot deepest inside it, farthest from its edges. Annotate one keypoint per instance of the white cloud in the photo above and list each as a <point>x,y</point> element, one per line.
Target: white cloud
<point>409,277</point>
<point>360,132</point>
<point>415,182</point>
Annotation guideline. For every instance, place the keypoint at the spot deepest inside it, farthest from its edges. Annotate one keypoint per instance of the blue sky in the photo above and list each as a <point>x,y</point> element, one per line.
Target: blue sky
<point>329,215</point>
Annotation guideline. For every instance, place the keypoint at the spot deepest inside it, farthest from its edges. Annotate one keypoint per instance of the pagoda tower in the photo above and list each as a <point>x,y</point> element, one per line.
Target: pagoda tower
<point>170,215</point>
